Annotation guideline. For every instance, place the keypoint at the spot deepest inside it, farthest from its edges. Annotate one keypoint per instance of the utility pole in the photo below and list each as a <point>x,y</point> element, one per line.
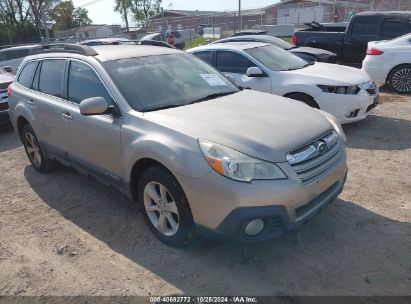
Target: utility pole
<point>46,29</point>
<point>240,20</point>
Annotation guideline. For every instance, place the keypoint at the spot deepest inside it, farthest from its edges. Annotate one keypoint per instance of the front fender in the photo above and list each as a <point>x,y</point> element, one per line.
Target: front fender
<point>179,153</point>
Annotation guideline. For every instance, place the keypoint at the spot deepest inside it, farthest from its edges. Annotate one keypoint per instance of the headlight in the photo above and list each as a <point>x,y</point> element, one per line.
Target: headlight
<point>236,165</point>
<point>347,90</point>
<point>369,85</point>
<point>336,125</point>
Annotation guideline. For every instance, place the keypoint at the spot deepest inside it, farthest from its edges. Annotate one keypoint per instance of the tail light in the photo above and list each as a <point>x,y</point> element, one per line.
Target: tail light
<point>8,91</point>
<point>372,51</point>
<point>295,40</point>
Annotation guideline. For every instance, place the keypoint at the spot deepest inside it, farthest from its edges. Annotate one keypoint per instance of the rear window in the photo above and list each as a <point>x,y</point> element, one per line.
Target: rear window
<point>392,28</point>
<point>27,73</point>
<point>365,26</point>
<point>176,34</point>
<point>51,77</point>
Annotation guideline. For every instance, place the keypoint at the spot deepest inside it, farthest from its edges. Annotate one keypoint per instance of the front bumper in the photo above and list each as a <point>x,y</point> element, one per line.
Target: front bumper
<point>224,206</point>
<point>275,218</point>
<point>340,105</point>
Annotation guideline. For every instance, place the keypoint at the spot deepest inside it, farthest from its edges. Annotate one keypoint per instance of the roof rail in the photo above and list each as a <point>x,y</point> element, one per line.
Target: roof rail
<point>66,48</point>
<point>147,42</point>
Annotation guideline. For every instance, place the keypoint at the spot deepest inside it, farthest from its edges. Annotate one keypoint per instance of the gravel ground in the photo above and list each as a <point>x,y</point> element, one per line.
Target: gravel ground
<point>65,234</point>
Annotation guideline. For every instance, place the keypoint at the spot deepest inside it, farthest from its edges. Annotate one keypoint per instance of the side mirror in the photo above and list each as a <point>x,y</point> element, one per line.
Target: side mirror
<point>93,106</point>
<point>7,69</point>
<point>255,72</point>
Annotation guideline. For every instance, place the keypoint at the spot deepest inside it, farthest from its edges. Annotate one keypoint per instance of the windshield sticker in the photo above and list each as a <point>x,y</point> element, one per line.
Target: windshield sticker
<point>213,80</point>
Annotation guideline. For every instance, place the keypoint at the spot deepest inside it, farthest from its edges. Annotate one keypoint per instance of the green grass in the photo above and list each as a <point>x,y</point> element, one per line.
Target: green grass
<point>200,40</point>
<point>287,39</point>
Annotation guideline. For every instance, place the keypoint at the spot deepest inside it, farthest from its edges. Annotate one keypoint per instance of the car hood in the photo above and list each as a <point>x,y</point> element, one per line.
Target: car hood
<point>310,50</point>
<point>255,123</point>
<point>330,74</point>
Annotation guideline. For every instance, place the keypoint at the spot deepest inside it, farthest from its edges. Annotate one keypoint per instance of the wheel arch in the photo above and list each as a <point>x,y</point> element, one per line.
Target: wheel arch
<point>138,169</point>
<point>21,123</point>
<point>288,95</point>
<point>393,68</point>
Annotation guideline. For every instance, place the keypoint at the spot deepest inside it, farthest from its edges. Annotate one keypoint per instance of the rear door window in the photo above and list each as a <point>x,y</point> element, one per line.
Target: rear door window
<point>26,75</point>
<point>365,26</point>
<point>230,62</point>
<point>51,77</point>
<point>84,83</point>
<point>391,28</point>
<point>205,56</point>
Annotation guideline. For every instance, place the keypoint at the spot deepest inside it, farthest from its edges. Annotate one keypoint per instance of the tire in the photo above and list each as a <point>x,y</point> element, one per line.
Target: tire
<point>400,79</point>
<point>307,99</point>
<point>35,153</point>
<point>165,207</point>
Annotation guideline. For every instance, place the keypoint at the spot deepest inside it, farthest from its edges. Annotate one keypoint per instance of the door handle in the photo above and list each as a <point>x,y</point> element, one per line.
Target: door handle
<point>30,101</point>
<point>67,116</point>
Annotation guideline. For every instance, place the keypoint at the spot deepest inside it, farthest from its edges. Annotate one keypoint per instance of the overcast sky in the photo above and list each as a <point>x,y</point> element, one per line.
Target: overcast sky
<point>102,12</point>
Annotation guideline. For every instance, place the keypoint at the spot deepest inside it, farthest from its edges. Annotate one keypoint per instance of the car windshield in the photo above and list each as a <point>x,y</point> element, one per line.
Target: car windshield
<point>277,59</point>
<point>277,42</point>
<point>157,82</point>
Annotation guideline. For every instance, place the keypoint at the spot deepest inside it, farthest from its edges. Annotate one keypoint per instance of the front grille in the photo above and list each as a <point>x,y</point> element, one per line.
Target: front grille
<point>317,158</point>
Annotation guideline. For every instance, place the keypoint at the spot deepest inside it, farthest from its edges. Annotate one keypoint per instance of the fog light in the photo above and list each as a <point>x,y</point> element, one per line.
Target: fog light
<point>254,227</point>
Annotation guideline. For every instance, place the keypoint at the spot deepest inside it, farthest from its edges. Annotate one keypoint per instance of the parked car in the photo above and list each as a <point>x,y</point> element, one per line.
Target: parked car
<point>13,56</point>
<point>351,45</point>
<point>307,53</point>
<point>5,80</point>
<point>172,37</point>
<point>183,142</point>
<point>390,62</point>
<point>347,93</point>
<point>249,32</point>
<point>104,41</point>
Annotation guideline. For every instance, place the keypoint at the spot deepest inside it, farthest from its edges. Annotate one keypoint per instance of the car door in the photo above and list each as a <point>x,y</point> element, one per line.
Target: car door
<point>91,142</point>
<point>45,100</point>
<point>362,31</point>
<point>235,66</point>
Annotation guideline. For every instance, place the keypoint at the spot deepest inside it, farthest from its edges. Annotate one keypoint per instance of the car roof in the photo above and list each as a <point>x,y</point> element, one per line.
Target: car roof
<point>114,52</point>
<point>230,45</point>
<point>111,52</point>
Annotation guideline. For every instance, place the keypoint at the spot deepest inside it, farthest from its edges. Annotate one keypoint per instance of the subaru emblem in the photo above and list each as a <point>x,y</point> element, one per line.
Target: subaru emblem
<point>322,148</point>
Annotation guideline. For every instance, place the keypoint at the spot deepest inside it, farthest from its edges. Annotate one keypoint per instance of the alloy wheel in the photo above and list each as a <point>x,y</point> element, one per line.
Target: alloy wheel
<point>161,208</point>
<point>33,149</point>
<point>401,80</point>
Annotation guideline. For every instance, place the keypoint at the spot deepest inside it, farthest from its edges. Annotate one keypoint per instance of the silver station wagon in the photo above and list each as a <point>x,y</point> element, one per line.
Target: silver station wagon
<point>191,149</point>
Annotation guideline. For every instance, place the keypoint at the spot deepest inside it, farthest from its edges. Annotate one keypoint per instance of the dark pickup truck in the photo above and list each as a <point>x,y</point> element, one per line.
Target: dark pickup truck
<point>351,45</point>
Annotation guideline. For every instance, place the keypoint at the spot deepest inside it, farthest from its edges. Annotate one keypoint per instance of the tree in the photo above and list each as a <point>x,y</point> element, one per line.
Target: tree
<point>65,16</point>
<point>80,16</point>
<point>140,9</point>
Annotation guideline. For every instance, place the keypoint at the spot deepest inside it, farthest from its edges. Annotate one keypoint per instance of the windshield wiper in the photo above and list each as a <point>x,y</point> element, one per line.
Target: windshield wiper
<point>162,107</point>
<point>212,96</point>
<point>208,97</point>
<point>302,67</point>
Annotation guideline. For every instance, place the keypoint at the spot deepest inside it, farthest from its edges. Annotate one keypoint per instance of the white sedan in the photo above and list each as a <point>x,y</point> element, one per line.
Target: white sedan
<point>390,62</point>
<point>347,93</point>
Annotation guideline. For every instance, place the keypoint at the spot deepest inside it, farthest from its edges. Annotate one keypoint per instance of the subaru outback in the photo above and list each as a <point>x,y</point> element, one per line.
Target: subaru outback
<point>192,150</point>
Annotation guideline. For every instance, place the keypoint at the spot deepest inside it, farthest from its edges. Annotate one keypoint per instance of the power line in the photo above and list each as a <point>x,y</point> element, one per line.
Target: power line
<point>90,3</point>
